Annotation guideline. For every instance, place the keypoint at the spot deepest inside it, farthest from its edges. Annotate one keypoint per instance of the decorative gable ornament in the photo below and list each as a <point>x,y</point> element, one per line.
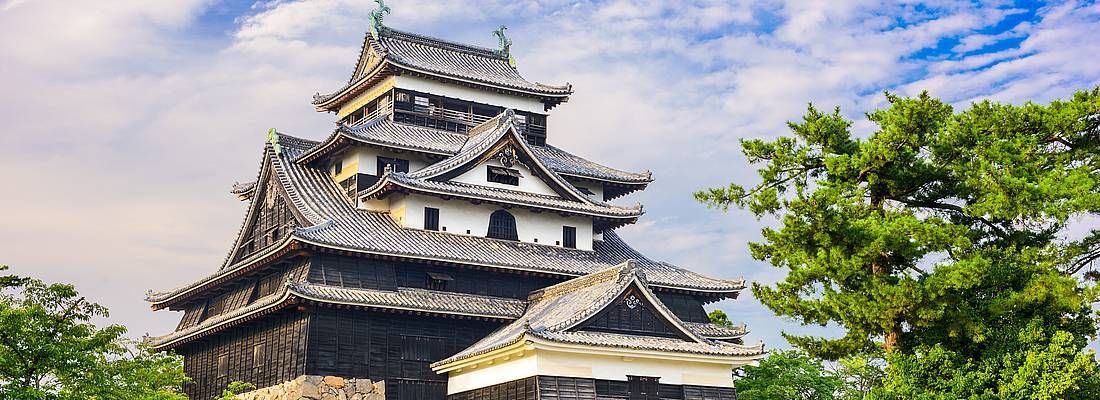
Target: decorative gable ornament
<point>507,157</point>
<point>269,196</point>
<point>632,302</point>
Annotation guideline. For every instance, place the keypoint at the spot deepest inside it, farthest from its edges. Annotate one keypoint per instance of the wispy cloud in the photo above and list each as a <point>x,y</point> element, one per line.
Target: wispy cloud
<point>126,126</point>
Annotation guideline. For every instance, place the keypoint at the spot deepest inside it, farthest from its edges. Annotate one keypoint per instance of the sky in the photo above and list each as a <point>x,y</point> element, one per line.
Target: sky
<point>127,122</point>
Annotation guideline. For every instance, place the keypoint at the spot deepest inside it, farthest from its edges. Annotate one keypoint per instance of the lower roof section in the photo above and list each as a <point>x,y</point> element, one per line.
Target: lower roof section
<point>413,300</point>
<point>433,302</point>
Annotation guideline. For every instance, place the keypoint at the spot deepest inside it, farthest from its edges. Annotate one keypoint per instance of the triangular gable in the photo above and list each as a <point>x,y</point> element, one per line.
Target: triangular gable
<point>499,138</point>
<point>369,58</point>
<point>636,310</point>
<point>633,314</point>
<point>270,217</point>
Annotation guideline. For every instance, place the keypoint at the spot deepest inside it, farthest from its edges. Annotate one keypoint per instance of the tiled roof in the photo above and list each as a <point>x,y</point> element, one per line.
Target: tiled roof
<point>460,189</point>
<point>569,164</point>
<point>490,136</point>
<point>458,60</point>
<point>332,221</point>
<point>717,331</point>
<point>554,312</point>
<point>410,299</point>
<point>482,138</point>
<point>448,59</point>
<point>415,300</point>
<point>240,189</point>
<point>263,303</point>
<point>382,131</point>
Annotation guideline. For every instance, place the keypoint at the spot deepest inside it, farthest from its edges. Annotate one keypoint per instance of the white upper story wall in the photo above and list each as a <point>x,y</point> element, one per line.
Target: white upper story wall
<point>529,183</point>
<point>364,160</point>
<point>461,217</point>
<point>438,88</point>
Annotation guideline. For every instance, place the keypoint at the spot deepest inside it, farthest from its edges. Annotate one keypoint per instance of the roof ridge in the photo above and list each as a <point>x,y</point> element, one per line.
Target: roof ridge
<point>442,43</point>
<point>616,273</point>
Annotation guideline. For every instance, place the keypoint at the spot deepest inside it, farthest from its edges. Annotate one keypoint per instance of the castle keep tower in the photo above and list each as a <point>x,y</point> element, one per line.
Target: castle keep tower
<point>437,240</point>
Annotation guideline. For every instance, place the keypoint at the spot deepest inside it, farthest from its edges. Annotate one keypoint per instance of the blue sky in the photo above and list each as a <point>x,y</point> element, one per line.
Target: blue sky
<point>128,122</point>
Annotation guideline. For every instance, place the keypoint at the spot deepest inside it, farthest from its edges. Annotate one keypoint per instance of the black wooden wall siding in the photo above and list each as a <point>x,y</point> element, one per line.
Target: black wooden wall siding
<point>630,313</point>
<point>353,272</point>
<point>273,220</point>
<point>520,389</point>
<point>687,307</point>
<point>396,348</point>
<point>567,388</point>
<point>268,351</point>
<point>388,275</point>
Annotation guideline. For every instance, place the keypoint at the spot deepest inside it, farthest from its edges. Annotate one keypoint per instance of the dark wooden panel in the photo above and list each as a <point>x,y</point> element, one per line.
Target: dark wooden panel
<point>709,393</point>
<point>388,275</point>
<point>265,352</point>
<point>631,313</point>
<point>687,307</point>
<point>396,348</point>
<point>273,220</point>
<point>520,389</point>
<point>561,388</point>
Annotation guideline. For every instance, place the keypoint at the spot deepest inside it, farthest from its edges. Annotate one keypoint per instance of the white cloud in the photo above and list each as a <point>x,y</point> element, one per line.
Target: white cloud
<point>127,129</point>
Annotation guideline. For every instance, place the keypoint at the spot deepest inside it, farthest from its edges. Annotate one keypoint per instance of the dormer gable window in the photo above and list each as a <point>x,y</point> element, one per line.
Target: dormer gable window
<point>503,175</point>
<point>502,225</point>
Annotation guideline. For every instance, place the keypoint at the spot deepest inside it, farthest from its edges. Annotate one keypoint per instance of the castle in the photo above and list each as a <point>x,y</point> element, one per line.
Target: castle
<point>437,241</point>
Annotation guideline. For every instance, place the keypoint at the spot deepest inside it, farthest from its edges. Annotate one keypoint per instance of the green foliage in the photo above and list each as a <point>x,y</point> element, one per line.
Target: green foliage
<point>49,349</point>
<point>942,236</point>
<point>719,317</point>
<point>234,388</point>
<point>788,375</point>
<point>861,376</point>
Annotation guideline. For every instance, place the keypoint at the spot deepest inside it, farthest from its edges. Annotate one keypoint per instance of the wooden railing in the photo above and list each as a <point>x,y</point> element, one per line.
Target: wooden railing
<point>467,119</point>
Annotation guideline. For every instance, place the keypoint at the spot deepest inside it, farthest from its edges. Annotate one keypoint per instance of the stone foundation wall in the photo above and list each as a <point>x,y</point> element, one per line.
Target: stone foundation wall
<point>312,387</point>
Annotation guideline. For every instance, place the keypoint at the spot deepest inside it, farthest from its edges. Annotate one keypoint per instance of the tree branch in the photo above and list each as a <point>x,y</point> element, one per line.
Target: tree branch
<point>959,210</point>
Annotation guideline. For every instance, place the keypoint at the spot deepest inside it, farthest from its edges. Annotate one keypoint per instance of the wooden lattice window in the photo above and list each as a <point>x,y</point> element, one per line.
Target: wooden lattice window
<point>502,225</point>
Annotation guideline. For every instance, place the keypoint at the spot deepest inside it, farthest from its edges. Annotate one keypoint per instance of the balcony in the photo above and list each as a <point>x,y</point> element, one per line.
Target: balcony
<point>445,114</point>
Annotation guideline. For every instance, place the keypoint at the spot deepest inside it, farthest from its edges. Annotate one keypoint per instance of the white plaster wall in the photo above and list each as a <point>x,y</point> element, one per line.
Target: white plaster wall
<point>585,365</point>
<point>593,366</point>
<point>529,183</point>
<point>364,159</point>
<point>469,94</point>
<point>368,159</point>
<point>458,216</point>
<point>489,375</point>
